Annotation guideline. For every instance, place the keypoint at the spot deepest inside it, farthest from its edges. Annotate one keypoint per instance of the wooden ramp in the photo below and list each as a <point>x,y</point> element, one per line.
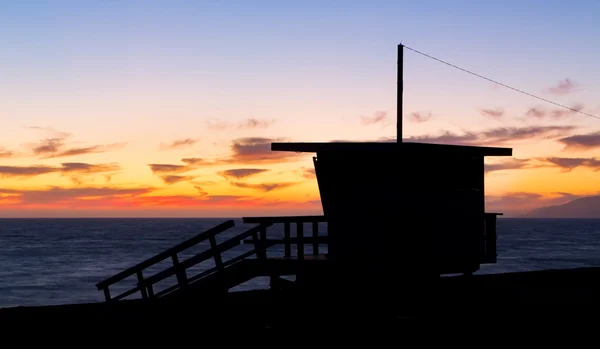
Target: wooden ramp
<point>225,274</point>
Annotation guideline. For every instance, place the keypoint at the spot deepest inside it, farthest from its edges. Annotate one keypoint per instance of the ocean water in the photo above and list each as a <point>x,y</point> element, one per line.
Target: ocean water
<point>57,261</point>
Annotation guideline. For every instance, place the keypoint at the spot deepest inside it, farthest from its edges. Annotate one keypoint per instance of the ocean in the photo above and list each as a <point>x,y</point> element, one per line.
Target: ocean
<point>58,261</point>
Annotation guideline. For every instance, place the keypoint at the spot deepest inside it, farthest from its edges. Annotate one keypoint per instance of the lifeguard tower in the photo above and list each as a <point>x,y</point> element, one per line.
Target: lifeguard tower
<point>398,216</point>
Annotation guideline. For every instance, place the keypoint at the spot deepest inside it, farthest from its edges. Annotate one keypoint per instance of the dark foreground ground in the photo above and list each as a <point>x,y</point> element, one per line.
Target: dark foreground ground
<point>570,296</point>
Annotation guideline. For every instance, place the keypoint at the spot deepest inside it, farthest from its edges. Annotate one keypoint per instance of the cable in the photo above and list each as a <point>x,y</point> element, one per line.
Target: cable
<point>501,84</point>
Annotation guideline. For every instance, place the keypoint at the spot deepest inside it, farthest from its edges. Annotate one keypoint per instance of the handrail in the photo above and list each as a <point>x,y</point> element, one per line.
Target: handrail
<point>285,219</point>
<point>138,268</point>
<point>199,258</point>
<point>300,239</point>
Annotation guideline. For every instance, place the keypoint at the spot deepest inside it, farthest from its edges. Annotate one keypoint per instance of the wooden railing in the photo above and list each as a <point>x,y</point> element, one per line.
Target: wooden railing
<point>145,285</point>
<point>299,239</point>
<point>214,252</point>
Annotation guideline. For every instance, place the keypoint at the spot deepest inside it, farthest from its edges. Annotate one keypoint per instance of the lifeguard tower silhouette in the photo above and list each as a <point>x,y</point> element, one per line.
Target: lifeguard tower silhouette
<point>399,216</point>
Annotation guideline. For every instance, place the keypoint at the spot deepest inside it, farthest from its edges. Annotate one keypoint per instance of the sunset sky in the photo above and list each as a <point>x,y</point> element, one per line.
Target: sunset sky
<point>168,108</point>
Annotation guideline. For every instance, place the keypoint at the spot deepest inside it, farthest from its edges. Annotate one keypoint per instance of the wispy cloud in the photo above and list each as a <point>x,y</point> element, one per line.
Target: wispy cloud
<point>169,168</point>
<point>554,114</point>
<point>234,176</point>
<point>67,168</point>
<point>172,179</point>
<point>5,153</point>
<point>563,87</point>
<point>56,146</point>
<point>258,150</point>
<point>252,123</point>
<point>420,117</point>
<point>494,136</point>
<point>190,164</point>
<point>507,164</point>
<point>568,164</point>
<point>246,124</point>
<point>308,173</point>
<point>26,171</point>
<point>497,113</point>
<point>266,187</point>
<point>379,117</point>
<point>241,173</point>
<point>52,133</point>
<point>57,195</point>
<point>251,150</point>
<point>178,144</point>
<point>81,167</point>
<point>112,198</point>
<point>581,142</point>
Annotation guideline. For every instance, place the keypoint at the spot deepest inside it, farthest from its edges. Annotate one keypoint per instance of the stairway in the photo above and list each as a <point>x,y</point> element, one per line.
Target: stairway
<point>220,278</point>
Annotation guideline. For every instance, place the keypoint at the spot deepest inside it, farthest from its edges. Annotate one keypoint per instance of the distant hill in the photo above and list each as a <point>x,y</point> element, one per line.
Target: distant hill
<point>586,207</point>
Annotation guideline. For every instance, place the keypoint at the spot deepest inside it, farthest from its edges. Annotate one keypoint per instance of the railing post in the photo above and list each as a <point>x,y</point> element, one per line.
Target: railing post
<point>287,239</point>
<point>257,246</point>
<point>300,237</point>
<point>216,253</point>
<point>141,284</point>
<point>263,240</point>
<point>315,234</point>
<point>180,273</point>
<point>106,294</point>
<point>150,291</point>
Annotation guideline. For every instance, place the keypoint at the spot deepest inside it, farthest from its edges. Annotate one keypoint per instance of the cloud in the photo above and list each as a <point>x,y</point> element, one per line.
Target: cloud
<point>56,195</point>
<point>308,173</point>
<point>141,202</point>
<point>5,153</point>
<point>115,197</point>
<point>247,124</point>
<point>252,150</point>
<point>48,146</point>
<point>169,168</point>
<point>507,164</point>
<point>235,175</point>
<point>196,161</point>
<point>172,179</point>
<point>555,114</point>
<point>581,142</point>
<point>191,164</point>
<point>250,124</point>
<point>67,168</point>
<point>56,146</point>
<point>86,150</point>
<point>568,164</point>
<point>241,173</point>
<point>26,171</point>
<point>178,144</point>
<point>258,150</point>
<point>51,132</point>
<point>497,113</point>
<point>378,118</point>
<point>201,192</point>
<point>494,136</point>
<point>196,182</point>
<point>266,187</point>
<point>420,117</point>
<point>563,87</point>
<point>81,167</point>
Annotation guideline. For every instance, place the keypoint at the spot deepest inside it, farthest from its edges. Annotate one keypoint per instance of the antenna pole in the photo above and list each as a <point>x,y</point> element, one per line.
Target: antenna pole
<point>399,93</point>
